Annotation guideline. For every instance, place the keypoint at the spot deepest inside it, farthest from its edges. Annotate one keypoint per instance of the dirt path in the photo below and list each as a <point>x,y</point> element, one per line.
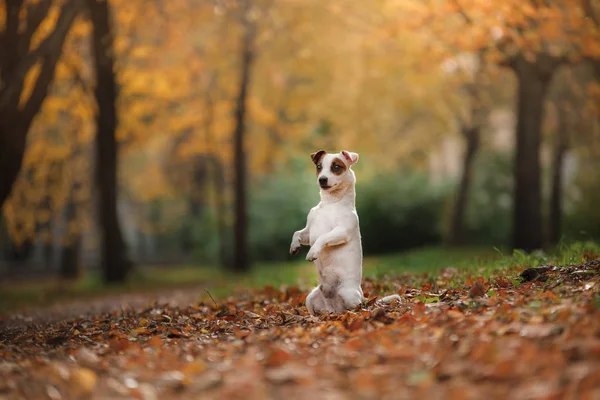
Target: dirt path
<point>72,309</point>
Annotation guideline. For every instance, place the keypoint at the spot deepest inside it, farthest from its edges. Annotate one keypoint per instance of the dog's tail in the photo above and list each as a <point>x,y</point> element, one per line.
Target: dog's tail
<point>389,299</point>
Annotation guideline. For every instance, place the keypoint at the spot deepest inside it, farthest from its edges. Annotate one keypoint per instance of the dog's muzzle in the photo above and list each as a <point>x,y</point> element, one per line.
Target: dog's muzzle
<point>323,182</point>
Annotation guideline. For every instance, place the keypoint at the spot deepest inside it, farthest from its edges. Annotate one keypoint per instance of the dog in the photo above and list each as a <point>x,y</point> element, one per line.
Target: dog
<point>332,230</point>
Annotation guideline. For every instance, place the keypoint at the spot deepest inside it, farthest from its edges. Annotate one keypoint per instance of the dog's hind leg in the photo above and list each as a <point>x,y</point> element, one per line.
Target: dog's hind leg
<point>348,298</point>
<point>316,302</point>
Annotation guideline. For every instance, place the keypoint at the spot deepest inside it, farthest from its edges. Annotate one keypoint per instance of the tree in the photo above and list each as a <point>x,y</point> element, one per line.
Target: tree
<point>73,209</point>
<point>71,246</point>
<point>533,39</point>
<point>533,78</point>
<point>470,127</point>
<point>240,261</point>
<point>471,132</point>
<point>39,195</point>
<point>26,71</point>
<point>591,10</point>
<point>561,146</point>
<point>573,124</point>
<point>115,263</point>
<point>215,169</point>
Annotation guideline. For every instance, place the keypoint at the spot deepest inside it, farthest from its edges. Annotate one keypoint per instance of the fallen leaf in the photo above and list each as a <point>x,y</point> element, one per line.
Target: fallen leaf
<point>87,357</point>
<point>356,325</point>
<point>155,341</point>
<point>173,379</point>
<point>194,368</point>
<point>84,379</point>
<point>541,331</point>
<point>177,334</point>
<point>289,373</point>
<point>278,357</point>
<point>119,344</point>
<point>476,290</point>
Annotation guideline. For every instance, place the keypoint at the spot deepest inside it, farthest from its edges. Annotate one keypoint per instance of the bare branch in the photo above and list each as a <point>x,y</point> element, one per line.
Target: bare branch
<point>50,58</point>
<point>9,38</point>
<point>47,48</point>
<point>78,79</point>
<point>36,13</point>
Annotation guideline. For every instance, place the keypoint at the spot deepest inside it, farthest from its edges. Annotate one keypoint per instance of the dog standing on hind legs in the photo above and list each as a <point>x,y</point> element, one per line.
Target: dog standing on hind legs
<point>332,231</point>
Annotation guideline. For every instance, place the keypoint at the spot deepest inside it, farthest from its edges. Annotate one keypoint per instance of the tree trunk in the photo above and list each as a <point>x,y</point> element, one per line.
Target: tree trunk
<point>219,187</point>
<point>533,81</point>
<point>71,240</point>
<point>240,261</point>
<point>12,150</point>
<point>48,252</point>
<point>114,261</point>
<point>217,176</point>
<point>196,202</point>
<point>456,234</point>
<point>69,262</point>
<point>560,150</point>
<point>44,230</point>
<point>19,253</point>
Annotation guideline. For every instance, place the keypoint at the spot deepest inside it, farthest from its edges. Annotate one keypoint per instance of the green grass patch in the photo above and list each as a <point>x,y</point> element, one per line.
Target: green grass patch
<point>430,260</point>
<point>481,261</point>
<point>17,295</point>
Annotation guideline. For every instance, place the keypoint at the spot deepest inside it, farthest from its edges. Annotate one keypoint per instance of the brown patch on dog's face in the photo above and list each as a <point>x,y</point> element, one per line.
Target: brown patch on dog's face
<point>317,155</point>
<point>319,169</point>
<point>316,158</point>
<point>338,167</point>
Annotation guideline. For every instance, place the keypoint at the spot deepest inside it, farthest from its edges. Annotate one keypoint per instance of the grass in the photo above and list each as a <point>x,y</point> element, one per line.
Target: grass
<point>430,260</point>
<point>20,295</point>
<point>17,295</point>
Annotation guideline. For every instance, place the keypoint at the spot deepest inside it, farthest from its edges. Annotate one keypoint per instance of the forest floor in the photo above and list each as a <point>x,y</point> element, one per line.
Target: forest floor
<point>498,329</point>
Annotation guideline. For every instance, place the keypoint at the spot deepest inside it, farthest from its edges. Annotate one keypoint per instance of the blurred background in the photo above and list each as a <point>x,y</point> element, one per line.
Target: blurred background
<point>139,133</point>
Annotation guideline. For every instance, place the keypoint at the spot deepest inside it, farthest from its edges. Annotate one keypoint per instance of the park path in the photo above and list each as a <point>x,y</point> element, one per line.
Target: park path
<point>108,303</point>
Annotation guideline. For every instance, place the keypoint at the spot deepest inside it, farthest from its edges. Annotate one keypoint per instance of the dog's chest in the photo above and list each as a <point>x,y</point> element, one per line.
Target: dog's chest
<point>325,218</point>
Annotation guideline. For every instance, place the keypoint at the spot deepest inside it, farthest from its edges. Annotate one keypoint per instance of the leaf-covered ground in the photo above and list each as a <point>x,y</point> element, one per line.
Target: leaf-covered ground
<point>455,335</point>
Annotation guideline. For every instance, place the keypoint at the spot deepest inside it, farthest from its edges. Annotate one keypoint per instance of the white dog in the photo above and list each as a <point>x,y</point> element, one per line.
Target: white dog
<point>332,231</point>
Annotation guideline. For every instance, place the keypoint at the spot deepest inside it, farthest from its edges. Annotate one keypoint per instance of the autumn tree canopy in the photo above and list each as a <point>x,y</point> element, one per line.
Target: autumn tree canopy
<point>386,77</point>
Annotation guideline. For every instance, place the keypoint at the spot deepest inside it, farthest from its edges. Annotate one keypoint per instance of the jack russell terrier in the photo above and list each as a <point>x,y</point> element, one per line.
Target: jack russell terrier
<point>332,231</point>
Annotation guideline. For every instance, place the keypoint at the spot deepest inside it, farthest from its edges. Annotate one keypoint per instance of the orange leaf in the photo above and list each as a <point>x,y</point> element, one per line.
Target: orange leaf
<point>278,357</point>
<point>155,342</point>
<point>356,325</point>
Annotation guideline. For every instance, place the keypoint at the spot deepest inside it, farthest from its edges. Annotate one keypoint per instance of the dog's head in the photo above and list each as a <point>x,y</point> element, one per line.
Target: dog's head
<point>333,170</point>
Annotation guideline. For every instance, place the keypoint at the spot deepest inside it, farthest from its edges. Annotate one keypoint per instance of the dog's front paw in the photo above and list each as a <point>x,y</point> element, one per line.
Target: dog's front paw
<point>295,248</point>
<point>312,255</point>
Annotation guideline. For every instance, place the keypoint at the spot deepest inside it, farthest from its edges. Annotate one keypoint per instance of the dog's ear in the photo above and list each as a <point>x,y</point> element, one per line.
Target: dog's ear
<point>352,158</point>
<point>316,156</point>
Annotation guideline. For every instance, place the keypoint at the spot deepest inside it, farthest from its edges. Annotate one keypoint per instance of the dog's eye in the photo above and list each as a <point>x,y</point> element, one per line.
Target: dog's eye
<point>319,167</point>
<point>336,167</point>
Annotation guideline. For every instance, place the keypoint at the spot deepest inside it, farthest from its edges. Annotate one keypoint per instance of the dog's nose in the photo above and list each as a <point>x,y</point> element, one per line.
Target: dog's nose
<point>323,181</point>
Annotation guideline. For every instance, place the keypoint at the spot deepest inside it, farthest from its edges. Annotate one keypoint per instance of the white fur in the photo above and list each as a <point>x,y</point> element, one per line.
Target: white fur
<point>332,231</point>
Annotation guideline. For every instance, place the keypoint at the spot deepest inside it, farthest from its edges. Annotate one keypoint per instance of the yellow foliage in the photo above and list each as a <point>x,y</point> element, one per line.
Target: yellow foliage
<point>2,18</point>
<point>30,80</point>
<point>141,51</point>
<point>369,71</point>
<point>47,26</point>
<point>81,28</point>
<point>151,184</point>
<point>260,114</point>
